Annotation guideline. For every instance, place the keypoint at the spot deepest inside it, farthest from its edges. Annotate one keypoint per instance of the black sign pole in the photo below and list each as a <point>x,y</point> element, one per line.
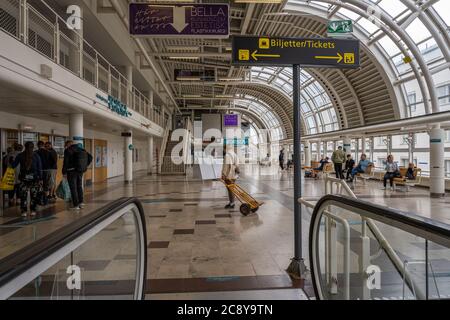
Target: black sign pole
<point>297,268</point>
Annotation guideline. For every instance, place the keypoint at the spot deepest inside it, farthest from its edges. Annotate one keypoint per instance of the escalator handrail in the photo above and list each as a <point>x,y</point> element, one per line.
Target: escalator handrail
<point>436,229</point>
<point>426,228</point>
<point>23,259</point>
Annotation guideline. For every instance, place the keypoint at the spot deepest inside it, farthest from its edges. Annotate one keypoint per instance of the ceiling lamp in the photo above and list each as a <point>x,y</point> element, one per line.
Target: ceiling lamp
<point>224,96</point>
<point>192,96</point>
<point>258,1</point>
<point>181,58</point>
<point>189,78</point>
<point>230,79</point>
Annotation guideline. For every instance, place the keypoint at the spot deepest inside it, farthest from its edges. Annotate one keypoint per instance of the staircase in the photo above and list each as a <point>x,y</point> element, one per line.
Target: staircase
<point>168,167</point>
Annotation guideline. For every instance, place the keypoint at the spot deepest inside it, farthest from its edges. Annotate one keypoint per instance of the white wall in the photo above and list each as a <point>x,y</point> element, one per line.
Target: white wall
<point>115,141</point>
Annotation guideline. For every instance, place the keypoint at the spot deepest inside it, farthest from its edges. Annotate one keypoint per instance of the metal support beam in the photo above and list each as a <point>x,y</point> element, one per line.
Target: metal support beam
<point>297,268</point>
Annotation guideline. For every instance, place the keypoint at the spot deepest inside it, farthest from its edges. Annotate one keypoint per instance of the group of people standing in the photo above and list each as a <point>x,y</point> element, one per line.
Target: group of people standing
<point>36,171</point>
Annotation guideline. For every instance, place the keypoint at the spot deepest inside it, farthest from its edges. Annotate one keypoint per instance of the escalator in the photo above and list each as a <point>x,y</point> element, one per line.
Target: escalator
<point>362,251</point>
<point>102,255</point>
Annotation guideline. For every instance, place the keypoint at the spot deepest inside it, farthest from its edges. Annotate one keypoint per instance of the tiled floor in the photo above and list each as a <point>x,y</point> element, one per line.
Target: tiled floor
<point>195,245</point>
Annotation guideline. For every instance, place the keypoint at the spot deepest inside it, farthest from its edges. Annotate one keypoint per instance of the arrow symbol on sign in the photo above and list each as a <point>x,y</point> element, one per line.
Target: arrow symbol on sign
<point>179,19</point>
<point>334,26</point>
<point>255,55</point>
<point>339,57</point>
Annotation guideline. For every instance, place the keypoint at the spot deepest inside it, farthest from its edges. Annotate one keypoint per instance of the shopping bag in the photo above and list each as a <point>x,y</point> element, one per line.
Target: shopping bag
<point>8,180</point>
<point>63,190</point>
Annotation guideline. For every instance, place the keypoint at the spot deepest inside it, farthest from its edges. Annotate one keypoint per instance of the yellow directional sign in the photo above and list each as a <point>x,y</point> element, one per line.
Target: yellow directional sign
<point>309,52</point>
<point>255,55</point>
<point>338,58</point>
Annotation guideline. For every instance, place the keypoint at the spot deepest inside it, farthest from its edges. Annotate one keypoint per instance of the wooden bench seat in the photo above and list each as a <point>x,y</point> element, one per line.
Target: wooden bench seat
<point>407,183</point>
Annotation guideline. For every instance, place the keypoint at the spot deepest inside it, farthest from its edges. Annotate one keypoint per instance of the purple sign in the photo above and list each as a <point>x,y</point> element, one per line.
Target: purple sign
<point>230,120</point>
<point>192,20</point>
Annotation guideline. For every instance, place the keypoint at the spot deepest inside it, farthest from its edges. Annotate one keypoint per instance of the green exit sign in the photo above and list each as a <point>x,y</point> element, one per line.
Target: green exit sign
<point>340,26</point>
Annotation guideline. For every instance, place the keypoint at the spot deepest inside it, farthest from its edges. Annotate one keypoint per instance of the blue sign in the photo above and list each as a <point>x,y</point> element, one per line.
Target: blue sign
<point>236,142</point>
<point>193,20</point>
<point>115,105</point>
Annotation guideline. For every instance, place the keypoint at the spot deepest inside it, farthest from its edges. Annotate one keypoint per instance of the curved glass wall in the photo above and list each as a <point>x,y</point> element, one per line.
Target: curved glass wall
<point>317,109</point>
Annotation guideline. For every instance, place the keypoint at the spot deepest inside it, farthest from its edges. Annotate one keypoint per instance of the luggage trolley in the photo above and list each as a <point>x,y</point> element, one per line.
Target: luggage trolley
<point>249,204</point>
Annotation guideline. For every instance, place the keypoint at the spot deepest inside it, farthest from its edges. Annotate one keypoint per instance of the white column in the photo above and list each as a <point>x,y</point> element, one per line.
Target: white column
<point>76,128</point>
<point>129,70</point>
<point>307,150</point>
<point>347,145</point>
<point>150,155</point>
<point>128,157</point>
<point>437,164</point>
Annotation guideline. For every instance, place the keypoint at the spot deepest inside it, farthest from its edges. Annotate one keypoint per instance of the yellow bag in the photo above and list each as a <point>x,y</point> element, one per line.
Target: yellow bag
<point>8,180</point>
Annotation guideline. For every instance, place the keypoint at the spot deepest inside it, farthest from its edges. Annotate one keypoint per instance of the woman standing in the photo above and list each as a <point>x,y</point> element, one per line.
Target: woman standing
<point>391,172</point>
<point>30,177</point>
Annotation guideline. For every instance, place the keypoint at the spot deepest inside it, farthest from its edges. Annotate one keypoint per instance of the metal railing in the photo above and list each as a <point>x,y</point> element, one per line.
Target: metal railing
<point>55,265</point>
<point>46,32</point>
<point>396,279</point>
<point>338,186</point>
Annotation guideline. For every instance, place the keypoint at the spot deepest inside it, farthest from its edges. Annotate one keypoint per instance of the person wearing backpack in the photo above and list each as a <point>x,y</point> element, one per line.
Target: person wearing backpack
<point>30,177</point>
<point>76,162</point>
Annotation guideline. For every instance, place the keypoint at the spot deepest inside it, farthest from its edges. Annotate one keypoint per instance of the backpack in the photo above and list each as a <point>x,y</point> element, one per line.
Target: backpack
<point>81,160</point>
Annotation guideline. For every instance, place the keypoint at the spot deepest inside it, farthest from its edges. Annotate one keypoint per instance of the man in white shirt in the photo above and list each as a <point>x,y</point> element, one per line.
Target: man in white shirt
<point>230,171</point>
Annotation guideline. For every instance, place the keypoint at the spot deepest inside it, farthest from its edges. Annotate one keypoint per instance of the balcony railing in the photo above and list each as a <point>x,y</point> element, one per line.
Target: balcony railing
<point>42,29</point>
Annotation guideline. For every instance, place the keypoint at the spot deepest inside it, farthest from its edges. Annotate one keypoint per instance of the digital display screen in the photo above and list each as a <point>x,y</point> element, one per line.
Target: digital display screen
<point>230,120</point>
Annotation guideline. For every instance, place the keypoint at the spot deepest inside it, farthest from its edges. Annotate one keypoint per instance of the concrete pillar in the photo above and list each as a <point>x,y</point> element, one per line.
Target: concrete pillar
<point>128,157</point>
<point>76,53</point>
<point>129,70</point>
<point>76,128</point>
<point>411,145</point>
<point>307,150</point>
<point>437,164</point>
<point>371,148</point>
<point>150,155</point>
<point>347,145</point>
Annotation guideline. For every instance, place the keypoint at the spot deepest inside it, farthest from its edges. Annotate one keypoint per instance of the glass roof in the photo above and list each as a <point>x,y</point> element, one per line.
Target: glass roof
<point>317,109</point>
<point>266,115</point>
<point>416,29</point>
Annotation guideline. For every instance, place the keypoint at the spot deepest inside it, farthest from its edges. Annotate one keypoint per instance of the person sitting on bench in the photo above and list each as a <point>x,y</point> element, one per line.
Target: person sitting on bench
<point>410,173</point>
<point>349,164</point>
<point>361,167</point>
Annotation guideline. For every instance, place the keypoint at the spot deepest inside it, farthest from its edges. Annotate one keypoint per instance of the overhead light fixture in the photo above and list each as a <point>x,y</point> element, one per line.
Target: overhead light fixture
<point>189,78</point>
<point>228,48</point>
<point>184,48</point>
<point>192,96</point>
<point>230,79</point>
<point>224,96</point>
<point>258,1</point>
<point>184,58</point>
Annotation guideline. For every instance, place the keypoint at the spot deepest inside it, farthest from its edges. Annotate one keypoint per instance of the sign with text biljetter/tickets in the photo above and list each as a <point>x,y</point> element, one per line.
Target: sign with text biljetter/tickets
<point>209,20</point>
<point>307,52</point>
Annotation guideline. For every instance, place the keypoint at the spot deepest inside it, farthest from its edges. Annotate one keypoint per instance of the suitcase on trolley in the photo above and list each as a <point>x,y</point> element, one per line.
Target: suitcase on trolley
<point>249,204</point>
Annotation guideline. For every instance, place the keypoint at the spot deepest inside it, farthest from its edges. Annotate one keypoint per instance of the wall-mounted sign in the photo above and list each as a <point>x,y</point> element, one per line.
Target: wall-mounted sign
<point>435,140</point>
<point>236,142</point>
<point>130,147</point>
<point>204,75</point>
<point>307,52</point>
<point>230,120</point>
<point>115,105</point>
<point>187,19</point>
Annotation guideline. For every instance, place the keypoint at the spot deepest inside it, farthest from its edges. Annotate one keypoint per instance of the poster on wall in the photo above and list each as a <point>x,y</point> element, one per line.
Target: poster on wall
<point>98,156</point>
<point>105,157</point>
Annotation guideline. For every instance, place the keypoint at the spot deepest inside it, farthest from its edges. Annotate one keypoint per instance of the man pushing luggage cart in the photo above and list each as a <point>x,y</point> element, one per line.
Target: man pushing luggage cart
<point>230,172</point>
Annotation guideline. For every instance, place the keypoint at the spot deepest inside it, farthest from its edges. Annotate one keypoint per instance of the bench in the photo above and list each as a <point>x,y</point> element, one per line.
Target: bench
<point>366,175</point>
<point>403,181</point>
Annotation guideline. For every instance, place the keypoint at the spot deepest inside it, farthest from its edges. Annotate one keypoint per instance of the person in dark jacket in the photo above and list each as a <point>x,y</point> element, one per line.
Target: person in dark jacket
<point>74,175</point>
<point>53,168</point>
<point>45,156</point>
<point>30,177</point>
<point>349,165</point>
